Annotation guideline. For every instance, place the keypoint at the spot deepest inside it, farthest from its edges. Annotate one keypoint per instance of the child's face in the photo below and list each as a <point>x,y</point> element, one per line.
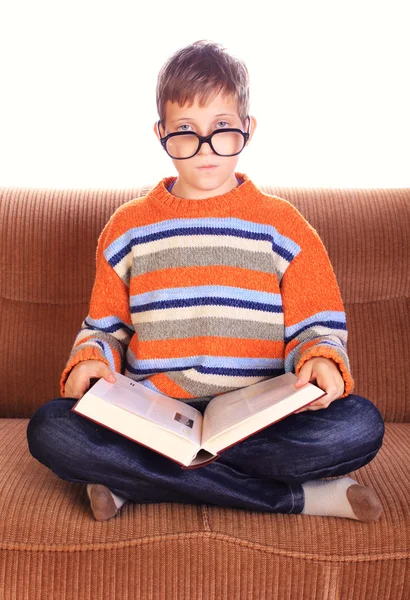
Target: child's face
<point>206,174</point>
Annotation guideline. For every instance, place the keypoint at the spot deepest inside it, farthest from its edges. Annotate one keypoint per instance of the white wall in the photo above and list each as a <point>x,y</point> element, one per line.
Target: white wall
<point>330,88</point>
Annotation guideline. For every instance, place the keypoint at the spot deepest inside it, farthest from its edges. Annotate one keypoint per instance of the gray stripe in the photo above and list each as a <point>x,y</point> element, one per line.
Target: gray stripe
<point>196,388</point>
<point>314,332</point>
<point>201,257</point>
<point>209,327</point>
<point>113,342</point>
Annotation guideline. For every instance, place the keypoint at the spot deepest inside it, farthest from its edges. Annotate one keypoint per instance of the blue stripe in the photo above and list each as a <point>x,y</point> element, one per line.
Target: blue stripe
<point>187,362</point>
<point>335,345</point>
<point>146,382</point>
<point>107,325</point>
<point>118,249</point>
<point>274,372</point>
<point>107,352</point>
<point>201,291</point>
<point>168,226</point>
<point>240,372</point>
<point>206,302</point>
<point>335,325</point>
<point>335,318</point>
<point>137,371</point>
<point>330,315</point>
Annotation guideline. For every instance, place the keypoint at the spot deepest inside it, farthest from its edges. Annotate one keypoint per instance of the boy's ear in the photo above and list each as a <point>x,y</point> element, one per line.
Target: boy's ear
<point>159,133</point>
<point>252,127</point>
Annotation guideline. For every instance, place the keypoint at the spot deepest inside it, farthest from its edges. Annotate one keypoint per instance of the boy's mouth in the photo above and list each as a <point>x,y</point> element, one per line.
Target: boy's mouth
<point>207,167</point>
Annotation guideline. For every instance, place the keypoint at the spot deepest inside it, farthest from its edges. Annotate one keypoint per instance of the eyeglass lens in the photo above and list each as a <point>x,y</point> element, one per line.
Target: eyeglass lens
<point>224,143</point>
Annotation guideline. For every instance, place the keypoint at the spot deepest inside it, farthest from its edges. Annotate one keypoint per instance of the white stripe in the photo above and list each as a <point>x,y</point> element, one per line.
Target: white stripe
<point>281,264</point>
<point>87,345</point>
<point>121,335</point>
<point>201,312</point>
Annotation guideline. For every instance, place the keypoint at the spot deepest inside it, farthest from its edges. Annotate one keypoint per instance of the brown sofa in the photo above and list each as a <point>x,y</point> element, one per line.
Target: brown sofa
<point>50,545</point>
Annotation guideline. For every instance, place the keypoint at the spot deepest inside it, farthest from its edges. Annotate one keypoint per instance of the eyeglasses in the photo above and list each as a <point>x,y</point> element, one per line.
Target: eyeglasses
<point>185,144</point>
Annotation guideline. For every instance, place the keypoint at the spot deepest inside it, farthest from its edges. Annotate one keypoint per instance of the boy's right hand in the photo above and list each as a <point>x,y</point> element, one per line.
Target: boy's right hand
<point>79,380</point>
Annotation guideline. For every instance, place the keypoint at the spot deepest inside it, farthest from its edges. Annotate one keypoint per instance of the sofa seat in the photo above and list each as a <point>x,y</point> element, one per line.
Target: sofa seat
<point>44,518</point>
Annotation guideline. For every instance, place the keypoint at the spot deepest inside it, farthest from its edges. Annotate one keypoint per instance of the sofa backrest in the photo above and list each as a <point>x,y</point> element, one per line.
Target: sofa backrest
<point>47,266</point>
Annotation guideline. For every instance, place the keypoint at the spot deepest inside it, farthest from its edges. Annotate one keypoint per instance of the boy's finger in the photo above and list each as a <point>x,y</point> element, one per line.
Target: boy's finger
<point>301,382</point>
<point>107,374</point>
<point>73,393</point>
<point>304,375</point>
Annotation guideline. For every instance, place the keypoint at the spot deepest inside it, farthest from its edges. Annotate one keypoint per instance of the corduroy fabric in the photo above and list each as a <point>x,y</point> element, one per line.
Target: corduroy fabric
<point>47,266</point>
<point>51,547</point>
<point>197,567</point>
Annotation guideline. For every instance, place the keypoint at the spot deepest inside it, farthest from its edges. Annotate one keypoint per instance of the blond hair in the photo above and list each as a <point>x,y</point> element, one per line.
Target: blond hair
<point>202,70</point>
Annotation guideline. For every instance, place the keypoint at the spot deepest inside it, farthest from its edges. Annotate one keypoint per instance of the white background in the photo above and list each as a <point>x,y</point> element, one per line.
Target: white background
<point>330,88</point>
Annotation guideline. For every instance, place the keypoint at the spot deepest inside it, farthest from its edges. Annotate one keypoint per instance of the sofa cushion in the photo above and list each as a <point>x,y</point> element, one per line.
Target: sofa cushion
<point>40,510</point>
<point>51,546</point>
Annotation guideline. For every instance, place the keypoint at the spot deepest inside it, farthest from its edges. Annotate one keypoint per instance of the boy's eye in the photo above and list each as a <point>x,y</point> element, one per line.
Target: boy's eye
<point>185,127</point>
<point>222,124</point>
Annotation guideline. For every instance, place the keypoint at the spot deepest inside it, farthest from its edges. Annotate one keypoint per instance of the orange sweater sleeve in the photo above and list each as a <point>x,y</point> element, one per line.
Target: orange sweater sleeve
<point>314,316</point>
<point>107,329</point>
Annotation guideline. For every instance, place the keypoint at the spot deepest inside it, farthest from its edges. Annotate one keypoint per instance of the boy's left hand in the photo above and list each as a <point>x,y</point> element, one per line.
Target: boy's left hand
<point>325,373</point>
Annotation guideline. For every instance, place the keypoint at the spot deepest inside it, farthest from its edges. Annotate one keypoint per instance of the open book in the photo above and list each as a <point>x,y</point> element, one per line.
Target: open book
<point>180,432</point>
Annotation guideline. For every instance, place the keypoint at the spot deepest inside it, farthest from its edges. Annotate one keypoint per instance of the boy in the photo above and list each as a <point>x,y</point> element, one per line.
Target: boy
<point>206,285</point>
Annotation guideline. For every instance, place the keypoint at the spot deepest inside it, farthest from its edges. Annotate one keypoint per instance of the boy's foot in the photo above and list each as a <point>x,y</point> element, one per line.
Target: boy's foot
<point>341,497</point>
<point>102,502</point>
<point>364,502</point>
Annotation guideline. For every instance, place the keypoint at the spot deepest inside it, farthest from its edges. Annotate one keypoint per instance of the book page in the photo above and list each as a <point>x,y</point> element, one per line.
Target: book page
<point>228,410</point>
<point>171,414</point>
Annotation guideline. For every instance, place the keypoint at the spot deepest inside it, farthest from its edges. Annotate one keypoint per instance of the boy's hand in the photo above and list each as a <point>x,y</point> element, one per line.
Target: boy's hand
<point>78,381</point>
<point>325,373</point>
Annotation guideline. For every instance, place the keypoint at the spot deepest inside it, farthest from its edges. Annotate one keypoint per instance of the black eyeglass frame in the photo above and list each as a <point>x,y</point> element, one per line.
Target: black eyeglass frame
<point>204,139</point>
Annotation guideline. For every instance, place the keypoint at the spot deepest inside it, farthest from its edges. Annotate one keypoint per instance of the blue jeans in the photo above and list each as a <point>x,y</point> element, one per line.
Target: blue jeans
<point>262,473</point>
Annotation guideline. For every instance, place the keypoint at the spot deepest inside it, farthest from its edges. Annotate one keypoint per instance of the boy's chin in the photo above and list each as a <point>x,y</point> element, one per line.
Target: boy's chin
<point>208,178</point>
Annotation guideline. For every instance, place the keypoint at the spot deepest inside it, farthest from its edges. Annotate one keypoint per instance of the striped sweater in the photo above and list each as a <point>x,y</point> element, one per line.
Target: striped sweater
<point>194,298</point>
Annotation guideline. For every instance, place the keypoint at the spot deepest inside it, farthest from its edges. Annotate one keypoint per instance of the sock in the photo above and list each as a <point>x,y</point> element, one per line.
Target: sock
<point>104,503</point>
<point>342,497</point>
<point>118,500</point>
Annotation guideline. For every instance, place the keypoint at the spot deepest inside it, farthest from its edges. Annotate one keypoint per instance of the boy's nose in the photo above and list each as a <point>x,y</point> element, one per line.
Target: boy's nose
<point>205,149</point>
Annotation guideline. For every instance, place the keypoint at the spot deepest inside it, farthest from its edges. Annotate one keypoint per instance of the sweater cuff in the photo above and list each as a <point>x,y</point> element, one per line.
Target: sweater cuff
<point>81,356</point>
<point>322,351</point>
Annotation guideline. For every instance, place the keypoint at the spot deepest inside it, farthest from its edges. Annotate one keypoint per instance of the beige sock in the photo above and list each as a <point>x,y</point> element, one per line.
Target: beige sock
<point>342,497</point>
<point>118,500</point>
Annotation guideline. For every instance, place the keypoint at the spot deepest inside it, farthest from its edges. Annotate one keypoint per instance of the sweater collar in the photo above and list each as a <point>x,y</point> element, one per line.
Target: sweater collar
<point>186,206</point>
